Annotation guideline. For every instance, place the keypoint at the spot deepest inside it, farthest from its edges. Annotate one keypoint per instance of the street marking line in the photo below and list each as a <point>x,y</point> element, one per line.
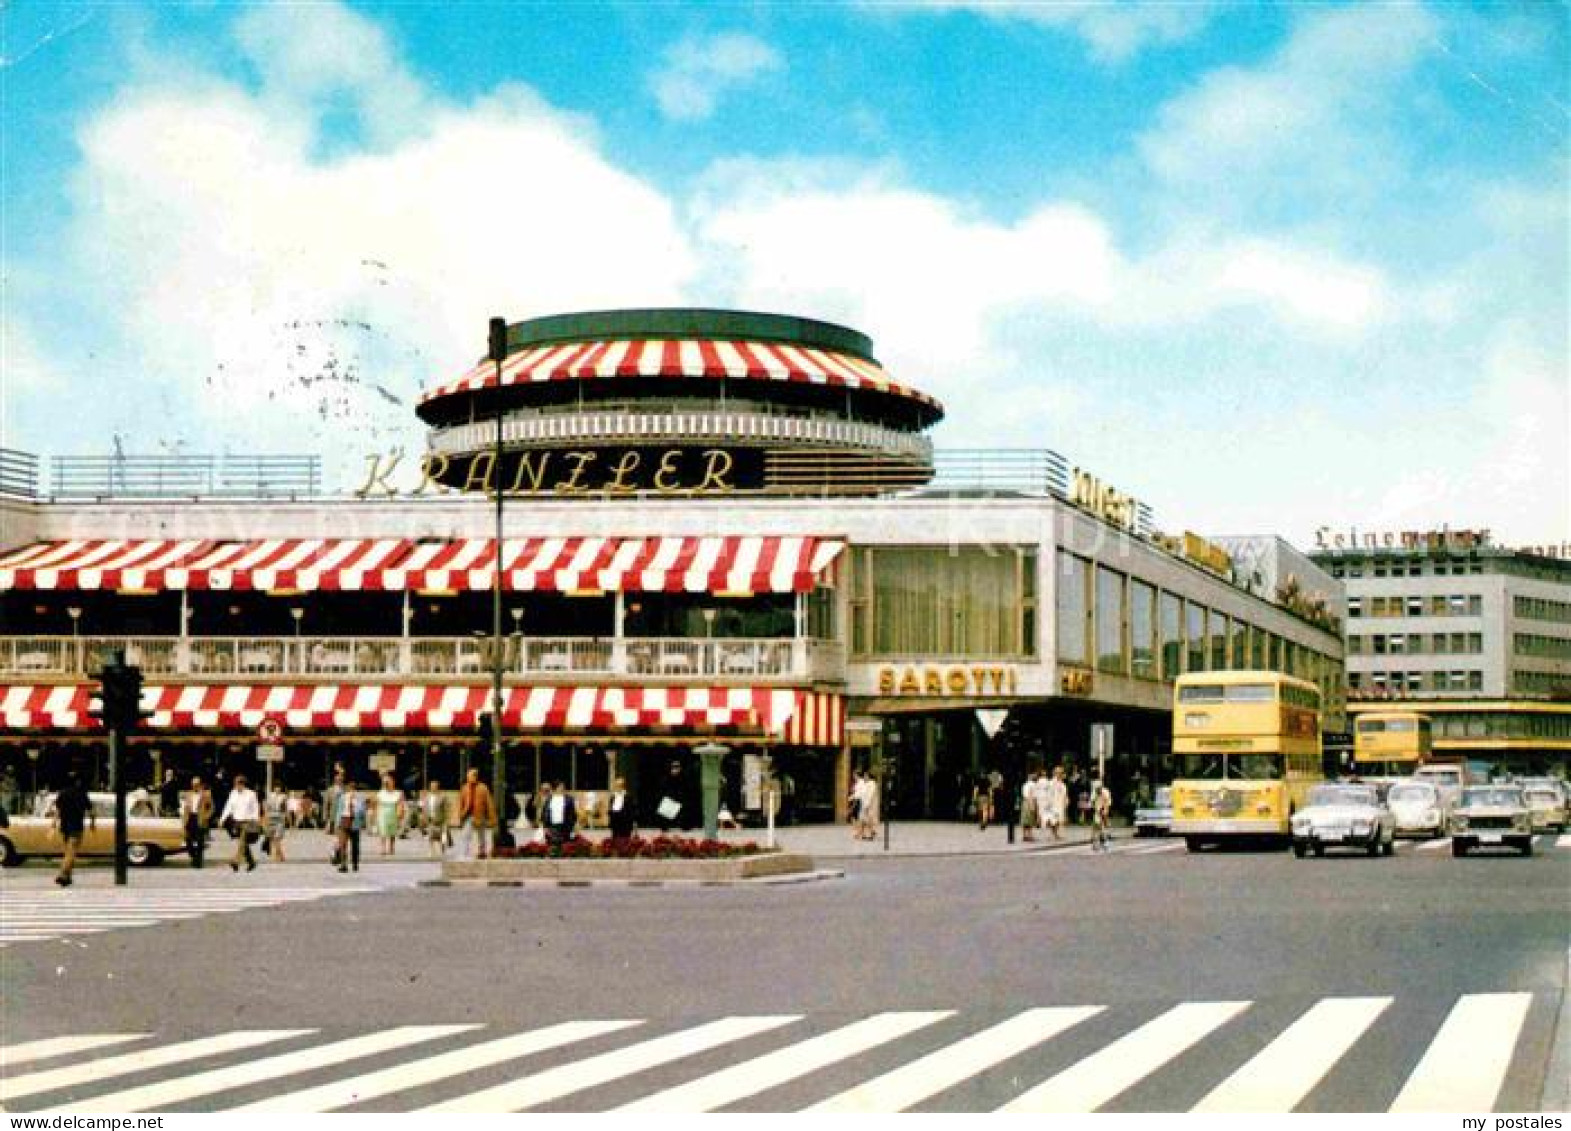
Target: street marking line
<point>1466,1063</point>
<point>1279,1076</point>
<point>1090,1083</point>
<point>127,1063</point>
<point>401,1077</point>
<point>762,1073</point>
<point>528,1091</point>
<point>1153,849</point>
<point>61,1046</point>
<point>910,1084</point>
<point>71,928</point>
<point>1433,845</point>
<point>183,1088</point>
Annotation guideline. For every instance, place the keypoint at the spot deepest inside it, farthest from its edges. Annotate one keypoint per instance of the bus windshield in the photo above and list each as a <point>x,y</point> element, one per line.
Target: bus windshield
<point>1393,726</point>
<point>1220,767</point>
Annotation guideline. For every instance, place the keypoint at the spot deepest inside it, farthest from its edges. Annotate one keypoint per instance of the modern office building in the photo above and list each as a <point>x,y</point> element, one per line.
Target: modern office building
<point>718,527</point>
<point>1476,635</point>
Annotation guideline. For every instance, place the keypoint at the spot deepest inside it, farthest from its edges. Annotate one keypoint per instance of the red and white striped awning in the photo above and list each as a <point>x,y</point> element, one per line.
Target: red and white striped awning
<point>786,715</point>
<point>671,565</point>
<point>738,564</point>
<point>705,357</point>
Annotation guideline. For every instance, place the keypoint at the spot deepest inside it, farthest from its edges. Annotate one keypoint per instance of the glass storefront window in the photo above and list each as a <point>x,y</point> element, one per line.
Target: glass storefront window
<point>1172,637</point>
<point>944,601</point>
<point>1218,642</point>
<point>1257,650</point>
<point>1142,630</point>
<point>1073,608</point>
<point>1196,632</point>
<point>1240,645</point>
<point>1111,612</point>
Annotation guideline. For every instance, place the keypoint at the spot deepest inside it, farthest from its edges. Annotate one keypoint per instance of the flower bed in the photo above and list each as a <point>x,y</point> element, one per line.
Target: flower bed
<point>633,848</point>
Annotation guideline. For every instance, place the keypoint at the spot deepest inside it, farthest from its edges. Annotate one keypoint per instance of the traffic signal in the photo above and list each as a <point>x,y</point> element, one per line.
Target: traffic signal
<point>485,736</point>
<point>119,696</point>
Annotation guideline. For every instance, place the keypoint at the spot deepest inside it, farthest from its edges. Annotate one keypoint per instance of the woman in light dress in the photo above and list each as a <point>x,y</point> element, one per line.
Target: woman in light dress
<point>865,796</point>
<point>275,815</point>
<point>389,813</point>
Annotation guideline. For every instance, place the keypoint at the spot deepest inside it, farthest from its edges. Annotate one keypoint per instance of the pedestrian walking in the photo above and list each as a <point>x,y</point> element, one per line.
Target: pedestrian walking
<point>275,809</point>
<point>433,815</point>
<point>476,816</point>
<point>1101,816</point>
<point>245,811</point>
<point>868,815</point>
<point>72,812</point>
<point>349,813</point>
<point>389,814</point>
<point>196,816</point>
<point>1057,803</point>
<point>982,802</point>
<point>1028,814</point>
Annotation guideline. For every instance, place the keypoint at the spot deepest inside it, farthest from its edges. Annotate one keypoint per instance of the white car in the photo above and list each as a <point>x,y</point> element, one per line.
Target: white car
<point>1419,808</point>
<point>1451,777</point>
<point>1491,816</point>
<point>1343,815</point>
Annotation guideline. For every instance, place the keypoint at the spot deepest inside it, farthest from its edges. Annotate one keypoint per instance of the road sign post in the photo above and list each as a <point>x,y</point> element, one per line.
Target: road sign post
<point>1101,748</point>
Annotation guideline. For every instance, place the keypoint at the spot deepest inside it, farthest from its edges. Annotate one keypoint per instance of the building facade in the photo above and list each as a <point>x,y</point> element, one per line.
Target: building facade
<point>1477,636</point>
<point>717,527</point>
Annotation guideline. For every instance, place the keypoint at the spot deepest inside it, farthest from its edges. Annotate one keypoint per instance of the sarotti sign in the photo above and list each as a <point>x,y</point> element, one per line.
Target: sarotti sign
<point>1328,538</point>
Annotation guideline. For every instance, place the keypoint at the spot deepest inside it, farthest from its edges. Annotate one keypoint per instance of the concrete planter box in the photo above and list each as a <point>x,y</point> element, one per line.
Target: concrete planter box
<point>727,869</point>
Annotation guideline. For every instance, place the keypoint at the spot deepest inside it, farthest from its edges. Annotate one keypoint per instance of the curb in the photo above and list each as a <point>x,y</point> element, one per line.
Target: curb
<point>759,881</point>
<point>1033,850</point>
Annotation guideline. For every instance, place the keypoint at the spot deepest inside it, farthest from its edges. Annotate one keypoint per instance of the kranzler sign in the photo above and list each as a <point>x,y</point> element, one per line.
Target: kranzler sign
<point>947,680</point>
<point>613,470</point>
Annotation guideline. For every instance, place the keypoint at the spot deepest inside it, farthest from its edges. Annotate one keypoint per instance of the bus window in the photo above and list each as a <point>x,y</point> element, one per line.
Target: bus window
<point>1258,767</point>
<point>1201,767</point>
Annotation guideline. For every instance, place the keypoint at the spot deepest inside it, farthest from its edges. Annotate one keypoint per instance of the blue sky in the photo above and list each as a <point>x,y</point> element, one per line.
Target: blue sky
<point>1264,266</point>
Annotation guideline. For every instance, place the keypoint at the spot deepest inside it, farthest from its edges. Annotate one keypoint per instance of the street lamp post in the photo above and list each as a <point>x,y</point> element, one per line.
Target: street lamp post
<point>497,341</point>
<point>297,612</point>
<point>75,613</point>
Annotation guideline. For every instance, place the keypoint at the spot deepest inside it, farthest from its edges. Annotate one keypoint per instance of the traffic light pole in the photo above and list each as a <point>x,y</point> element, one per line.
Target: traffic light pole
<point>117,783</point>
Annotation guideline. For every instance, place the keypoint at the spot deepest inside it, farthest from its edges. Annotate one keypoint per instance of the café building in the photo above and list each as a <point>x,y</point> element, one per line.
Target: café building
<point>718,527</point>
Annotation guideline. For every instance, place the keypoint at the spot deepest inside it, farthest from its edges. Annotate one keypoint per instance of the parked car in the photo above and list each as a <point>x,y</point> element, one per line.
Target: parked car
<point>149,837</point>
<point>1347,815</point>
<point>1546,805</point>
<point>1491,816</point>
<point>1156,819</point>
<point>1419,807</point>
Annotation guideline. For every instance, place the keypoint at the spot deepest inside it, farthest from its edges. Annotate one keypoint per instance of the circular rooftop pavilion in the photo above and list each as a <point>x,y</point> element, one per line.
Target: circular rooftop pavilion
<point>682,400</point>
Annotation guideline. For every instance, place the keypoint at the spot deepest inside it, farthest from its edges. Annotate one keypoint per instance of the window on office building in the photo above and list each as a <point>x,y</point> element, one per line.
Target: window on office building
<point>1415,682</point>
<point>1475,681</point>
<point>1475,605</point>
<point>1172,636</point>
<point>1111,616</point>
<point>1195,626</point>
<point>1355,607</point>
<point>1415,606</point>
<point>1142,630</point>
<point>1074,608</point>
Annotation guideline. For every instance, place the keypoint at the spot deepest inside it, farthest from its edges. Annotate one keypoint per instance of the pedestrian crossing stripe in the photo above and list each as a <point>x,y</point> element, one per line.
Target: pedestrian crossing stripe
<point>39,916</point>
<point>1463,1067</point>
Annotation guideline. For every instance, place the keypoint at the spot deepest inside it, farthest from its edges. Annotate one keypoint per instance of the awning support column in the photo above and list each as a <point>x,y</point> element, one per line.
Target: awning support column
<point>618,635</point>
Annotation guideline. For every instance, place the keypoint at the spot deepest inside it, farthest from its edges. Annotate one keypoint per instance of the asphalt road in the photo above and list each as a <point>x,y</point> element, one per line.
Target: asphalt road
<point>1167,981</point>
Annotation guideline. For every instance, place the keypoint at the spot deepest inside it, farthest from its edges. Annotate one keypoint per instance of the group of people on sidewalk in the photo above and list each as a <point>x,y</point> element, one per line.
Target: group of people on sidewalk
<point>1044,807</point>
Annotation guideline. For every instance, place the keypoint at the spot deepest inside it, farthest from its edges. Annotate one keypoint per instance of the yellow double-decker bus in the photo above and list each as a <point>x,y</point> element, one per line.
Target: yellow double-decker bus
<point>1246,745</point>
<point>1391,744</point>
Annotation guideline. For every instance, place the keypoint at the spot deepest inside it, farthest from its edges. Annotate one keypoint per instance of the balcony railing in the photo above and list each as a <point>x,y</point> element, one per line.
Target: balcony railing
<point>600,426</point>
<point>544,659</point>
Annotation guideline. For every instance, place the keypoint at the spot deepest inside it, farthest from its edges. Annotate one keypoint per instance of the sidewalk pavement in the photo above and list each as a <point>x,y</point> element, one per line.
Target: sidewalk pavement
<point>822,841</point>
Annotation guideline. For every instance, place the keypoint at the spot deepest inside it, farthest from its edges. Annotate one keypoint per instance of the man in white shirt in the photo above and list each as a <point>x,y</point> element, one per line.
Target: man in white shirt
<point>561,816</point>
<point>245,810</point>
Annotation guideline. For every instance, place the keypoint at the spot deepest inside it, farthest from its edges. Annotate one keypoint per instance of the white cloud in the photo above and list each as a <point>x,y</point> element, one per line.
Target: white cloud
<point>1113,31</point>
<point>1309,120</point>
<point>287,299</point>
<point>698,70</point>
